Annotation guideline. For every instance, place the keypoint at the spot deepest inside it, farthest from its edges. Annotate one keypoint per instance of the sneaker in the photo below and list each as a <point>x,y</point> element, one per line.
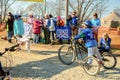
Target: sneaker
<point>87,66</point>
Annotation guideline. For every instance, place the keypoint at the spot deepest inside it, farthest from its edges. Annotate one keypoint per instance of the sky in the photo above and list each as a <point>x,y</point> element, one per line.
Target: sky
<point>112,4</point>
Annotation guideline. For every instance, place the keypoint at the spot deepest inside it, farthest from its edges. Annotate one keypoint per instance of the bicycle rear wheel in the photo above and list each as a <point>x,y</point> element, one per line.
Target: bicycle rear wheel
<point>93,68</point>
<point>66,54</point>
<point>109,60</point>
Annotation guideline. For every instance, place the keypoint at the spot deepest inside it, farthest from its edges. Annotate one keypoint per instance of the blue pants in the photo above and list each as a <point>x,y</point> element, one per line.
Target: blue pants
<point>52,34</point>
<point>36,38</point>
<point>10,34</point>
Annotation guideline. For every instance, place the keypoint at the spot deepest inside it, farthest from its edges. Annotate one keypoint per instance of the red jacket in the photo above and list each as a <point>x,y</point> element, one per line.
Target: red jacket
<point>37,27</point>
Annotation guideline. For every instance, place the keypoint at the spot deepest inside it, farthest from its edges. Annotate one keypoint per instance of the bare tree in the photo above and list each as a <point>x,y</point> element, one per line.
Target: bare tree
<point>5,5</point>
<point>37,8</point>
<point>86,7</point>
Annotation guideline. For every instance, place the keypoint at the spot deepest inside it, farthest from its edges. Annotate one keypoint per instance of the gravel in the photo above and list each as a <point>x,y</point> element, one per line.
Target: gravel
<point>43,64</point>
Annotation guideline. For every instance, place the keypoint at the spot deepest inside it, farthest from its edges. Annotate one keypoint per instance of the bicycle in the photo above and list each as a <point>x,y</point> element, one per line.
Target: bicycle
<point>109,59</point>
<point>8,60</point>
<point>70,54</point>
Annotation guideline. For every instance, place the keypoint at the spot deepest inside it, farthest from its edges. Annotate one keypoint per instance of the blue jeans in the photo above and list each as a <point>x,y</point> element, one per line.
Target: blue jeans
<point>10,34</point>
<point>36,38</point>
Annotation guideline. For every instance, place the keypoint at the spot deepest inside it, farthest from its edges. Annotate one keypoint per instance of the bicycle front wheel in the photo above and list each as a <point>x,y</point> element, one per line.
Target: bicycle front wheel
<point>6,62</point>
<point>109,60</point>
<point>91,68</point>
<point>66,54</point>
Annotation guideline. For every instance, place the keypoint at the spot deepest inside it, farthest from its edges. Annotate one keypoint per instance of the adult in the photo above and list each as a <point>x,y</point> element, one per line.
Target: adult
<point>52,28</point>
<point>18,26</point>
<point>60,22</point>
<point>9,24</point>
<point>69,20</point>
<point>74,24</point>
<point>96,25</point>
<point>46,29</point>
<point>36,30</point>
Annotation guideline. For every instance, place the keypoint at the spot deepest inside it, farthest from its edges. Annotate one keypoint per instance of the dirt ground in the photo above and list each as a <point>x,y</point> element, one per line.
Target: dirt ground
<point>43,64</point>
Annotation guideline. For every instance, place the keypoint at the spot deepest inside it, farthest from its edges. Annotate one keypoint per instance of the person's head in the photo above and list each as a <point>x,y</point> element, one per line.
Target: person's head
<point>46,16</point>
<point>69,17</point>
<point>50,15</point>
<point>59,18</point>
<point>105,35</point>
<point>19,16</point>
<point>95,15</point>
<point>88,24</point>
<point>9,13</point>
<point>16,16</point>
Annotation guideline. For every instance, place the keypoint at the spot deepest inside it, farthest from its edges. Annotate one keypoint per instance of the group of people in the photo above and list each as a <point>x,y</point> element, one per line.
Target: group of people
<point>89,33</point>
<point>33,27</point>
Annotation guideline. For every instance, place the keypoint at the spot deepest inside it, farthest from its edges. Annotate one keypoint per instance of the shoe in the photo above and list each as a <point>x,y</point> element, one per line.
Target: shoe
<point>87,66</point>
<point>9,41</point>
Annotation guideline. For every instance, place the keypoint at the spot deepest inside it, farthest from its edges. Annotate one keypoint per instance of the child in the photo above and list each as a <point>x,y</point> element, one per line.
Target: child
<point>105,42</point>
<point>90,42</point>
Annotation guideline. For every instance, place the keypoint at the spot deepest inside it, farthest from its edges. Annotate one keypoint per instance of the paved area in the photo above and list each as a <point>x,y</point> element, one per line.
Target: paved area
<point>43,64</point>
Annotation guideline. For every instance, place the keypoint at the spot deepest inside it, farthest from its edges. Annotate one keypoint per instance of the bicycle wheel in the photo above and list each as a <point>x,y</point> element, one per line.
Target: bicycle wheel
<point>93,68</point>
<point>109,60</point>
<point>6,62</point>
<point>66,54</point>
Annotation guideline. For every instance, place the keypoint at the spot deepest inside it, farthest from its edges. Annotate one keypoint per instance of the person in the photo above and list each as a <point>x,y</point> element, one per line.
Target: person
<point>52,28</point>
<point>74,24</point>
<point>69,20</point>
<point>9,24</point>
<point>36,30</point>
<point>96,25</point>
<point>89,40</point>
<point>105,42</point>
<point>46,29</point>
<point>60,22</point>
<point>18,26</point>
<point>26,36</point>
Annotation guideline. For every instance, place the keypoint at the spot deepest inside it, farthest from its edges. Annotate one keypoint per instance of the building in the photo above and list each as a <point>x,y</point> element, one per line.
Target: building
<point>112,20</point>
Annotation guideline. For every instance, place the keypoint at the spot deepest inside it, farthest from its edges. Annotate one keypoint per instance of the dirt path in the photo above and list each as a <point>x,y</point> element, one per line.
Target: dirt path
<point>43,64</point>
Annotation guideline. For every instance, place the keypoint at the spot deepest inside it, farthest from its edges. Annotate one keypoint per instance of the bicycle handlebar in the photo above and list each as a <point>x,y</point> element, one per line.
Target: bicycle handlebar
<point>9,49</point>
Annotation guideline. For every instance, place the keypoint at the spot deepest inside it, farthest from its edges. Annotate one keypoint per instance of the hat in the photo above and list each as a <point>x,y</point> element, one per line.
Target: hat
<point>16,16</point>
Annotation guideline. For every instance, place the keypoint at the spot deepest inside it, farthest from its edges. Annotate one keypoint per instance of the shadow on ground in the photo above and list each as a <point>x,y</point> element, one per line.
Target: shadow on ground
<point>45,68</point>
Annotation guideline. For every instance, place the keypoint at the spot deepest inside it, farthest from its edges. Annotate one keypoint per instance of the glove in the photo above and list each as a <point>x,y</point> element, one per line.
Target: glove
<point>76,37</point>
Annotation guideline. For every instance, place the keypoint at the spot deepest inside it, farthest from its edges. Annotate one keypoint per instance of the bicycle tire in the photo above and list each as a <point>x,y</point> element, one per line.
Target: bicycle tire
<point>91,69</point>
<point>6,63</point>
<point>109,60</point>
<point>64,56</point>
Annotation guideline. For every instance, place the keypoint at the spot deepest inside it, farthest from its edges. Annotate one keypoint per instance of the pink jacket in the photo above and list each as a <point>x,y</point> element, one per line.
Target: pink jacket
<point>37,27</point>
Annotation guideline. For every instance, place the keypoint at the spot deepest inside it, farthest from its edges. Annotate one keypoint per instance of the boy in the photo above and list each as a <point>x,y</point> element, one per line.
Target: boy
<point>105,42</point>
<point>90,42</point>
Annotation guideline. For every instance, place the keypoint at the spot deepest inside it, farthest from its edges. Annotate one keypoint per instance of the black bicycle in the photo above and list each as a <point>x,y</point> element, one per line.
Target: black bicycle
<point>69,53</point>
<point>6,60</point>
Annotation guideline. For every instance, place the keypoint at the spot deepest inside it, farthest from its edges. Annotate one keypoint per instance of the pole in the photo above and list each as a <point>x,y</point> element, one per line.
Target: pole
<point>44,6</point>
<point>59,8</point>
<point>66,9</point>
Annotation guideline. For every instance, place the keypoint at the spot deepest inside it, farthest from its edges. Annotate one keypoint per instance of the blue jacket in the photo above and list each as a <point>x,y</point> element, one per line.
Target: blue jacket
<point>105,44</point>
<point>96,22</point>
<point>88,37</point>
<point>18,27</point>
